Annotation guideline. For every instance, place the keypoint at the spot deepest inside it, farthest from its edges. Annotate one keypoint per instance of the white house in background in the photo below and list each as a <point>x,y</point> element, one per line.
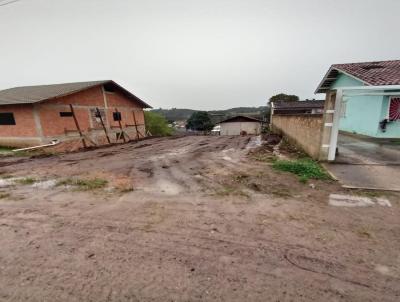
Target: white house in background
<point>240,125</point>
<point>216,130</point>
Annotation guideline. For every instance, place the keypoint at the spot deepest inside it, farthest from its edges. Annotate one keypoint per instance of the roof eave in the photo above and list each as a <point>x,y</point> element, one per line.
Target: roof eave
<point>324,89</point>
<point>144,104</point>
<point>73,91</point>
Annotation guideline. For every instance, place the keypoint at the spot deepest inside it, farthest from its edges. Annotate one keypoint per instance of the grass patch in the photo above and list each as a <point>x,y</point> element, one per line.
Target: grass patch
<point>370,193</point>
<point>282,193</point>
<point>6,176</point>
<point>240,177</point>
<point>4,195</point>
<point>305,169</point>
<point>26,181</point>
<point>266,158</point>
<point>84,184</point>
<point>5,149</point>
<point>364,232</point>
<point>126,190</point>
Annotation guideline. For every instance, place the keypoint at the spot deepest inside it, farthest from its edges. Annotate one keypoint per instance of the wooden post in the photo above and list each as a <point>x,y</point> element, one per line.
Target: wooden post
<point>77,126</point>
<point>120,127</point>
<point>136,126</point>
<point>102,124</point>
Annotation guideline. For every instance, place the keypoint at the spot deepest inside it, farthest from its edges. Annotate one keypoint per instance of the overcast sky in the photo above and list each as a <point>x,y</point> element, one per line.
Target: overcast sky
<point>200,54</point>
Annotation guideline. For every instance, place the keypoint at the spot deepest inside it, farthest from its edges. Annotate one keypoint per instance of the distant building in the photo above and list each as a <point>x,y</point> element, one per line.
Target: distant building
<point>298,107</point>
<point>240,125</point>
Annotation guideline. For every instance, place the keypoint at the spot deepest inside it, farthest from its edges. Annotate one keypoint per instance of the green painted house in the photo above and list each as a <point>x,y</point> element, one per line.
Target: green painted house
<point>372,112</point>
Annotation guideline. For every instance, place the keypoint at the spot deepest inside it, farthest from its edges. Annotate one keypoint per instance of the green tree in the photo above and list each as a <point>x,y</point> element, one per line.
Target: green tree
<point>157,124</point>
<point>284,97</point>
<point>199,121</point>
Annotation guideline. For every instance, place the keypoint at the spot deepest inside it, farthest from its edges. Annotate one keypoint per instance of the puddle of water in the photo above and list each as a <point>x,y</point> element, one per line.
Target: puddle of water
<point>227,152</point>
<point>7,182</point>
<point>383,269</point>
<point>165,187</point>
<point>254,142</point>
<point>339,200</point>
<point>46,184</point>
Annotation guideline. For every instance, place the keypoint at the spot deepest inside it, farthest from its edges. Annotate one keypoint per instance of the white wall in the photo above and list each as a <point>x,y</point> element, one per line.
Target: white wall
<point>234,128</point>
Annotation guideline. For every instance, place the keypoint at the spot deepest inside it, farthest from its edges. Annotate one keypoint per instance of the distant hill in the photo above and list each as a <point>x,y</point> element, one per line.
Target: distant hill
<point>176,114</point>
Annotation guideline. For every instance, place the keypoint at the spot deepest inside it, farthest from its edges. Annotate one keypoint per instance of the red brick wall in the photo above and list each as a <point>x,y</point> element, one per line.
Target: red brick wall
<point>125,106</point>
<point>90,97</point>
<point>24,119</point>
<point>54,125</point>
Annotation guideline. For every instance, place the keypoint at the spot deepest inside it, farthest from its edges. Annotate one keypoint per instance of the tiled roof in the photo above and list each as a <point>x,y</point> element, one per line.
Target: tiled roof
<point>370,73</point>
<point>35,94</point>
<point>308,104</point>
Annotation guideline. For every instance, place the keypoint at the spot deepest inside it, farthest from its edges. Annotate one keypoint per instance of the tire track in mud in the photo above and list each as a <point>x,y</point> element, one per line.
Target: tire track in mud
<point>269,254</point>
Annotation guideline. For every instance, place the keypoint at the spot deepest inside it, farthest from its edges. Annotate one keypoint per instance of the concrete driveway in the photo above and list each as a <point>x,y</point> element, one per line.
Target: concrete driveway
<point>367,163</point>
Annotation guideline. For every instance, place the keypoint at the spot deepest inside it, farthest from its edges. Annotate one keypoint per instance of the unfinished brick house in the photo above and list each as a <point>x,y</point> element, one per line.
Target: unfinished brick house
<point>75,114</point>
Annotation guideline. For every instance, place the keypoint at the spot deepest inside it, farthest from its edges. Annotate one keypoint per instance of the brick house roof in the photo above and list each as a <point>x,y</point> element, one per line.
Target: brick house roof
<point>35,94</point>
<point>370,73</point>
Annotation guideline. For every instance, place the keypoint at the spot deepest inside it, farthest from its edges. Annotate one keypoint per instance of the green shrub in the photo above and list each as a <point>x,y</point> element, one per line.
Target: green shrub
<point>200,121</point>
<point>157,124</point>
<point>304,168</point>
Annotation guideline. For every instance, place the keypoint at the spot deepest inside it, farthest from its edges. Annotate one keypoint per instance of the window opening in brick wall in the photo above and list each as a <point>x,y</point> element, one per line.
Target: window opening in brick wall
<point>65,113</point>
<point>7,118</point>
<point>117,116</point>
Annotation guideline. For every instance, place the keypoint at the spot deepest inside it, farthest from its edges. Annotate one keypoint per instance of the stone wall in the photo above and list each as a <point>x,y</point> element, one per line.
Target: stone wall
<point>303,130</point>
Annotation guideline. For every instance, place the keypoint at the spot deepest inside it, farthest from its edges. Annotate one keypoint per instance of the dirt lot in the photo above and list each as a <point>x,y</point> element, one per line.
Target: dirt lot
<point>187,219</point>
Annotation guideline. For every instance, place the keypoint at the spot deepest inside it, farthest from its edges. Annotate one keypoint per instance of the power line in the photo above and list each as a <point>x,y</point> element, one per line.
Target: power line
<point>3,4</point>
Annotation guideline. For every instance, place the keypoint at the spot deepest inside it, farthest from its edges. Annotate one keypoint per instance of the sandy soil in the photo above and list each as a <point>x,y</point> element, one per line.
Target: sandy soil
<point>188,219</point>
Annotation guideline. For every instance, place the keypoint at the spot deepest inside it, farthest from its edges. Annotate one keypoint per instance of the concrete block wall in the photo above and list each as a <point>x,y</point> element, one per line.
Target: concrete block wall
<point>303,130</point>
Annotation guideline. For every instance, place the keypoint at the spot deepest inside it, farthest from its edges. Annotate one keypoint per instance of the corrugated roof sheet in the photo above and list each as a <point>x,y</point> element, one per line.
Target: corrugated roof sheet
<point>34,94</point>
<point>370,73</point>
<point>240,118</point>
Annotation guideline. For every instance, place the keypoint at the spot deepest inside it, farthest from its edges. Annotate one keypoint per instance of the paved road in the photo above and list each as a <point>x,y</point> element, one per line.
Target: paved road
<point>361,151</point>
<point>363,163</point>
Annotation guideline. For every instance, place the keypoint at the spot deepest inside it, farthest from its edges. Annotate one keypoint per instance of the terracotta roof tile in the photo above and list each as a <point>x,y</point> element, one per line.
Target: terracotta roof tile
<point>373,73</point>
<point>370,73</point>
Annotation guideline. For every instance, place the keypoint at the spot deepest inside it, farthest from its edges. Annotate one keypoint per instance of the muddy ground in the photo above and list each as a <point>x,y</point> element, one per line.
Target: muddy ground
<point>187,219</point>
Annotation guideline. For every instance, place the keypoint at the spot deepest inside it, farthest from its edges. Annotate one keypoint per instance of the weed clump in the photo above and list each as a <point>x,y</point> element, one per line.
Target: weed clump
<point>84,184</point>
<point>4,195</point>
<point>26,181</point>
<point>305,169</point>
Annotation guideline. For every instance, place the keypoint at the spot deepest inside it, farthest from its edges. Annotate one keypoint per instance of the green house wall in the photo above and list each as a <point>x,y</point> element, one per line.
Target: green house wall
<point>363,113</point>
